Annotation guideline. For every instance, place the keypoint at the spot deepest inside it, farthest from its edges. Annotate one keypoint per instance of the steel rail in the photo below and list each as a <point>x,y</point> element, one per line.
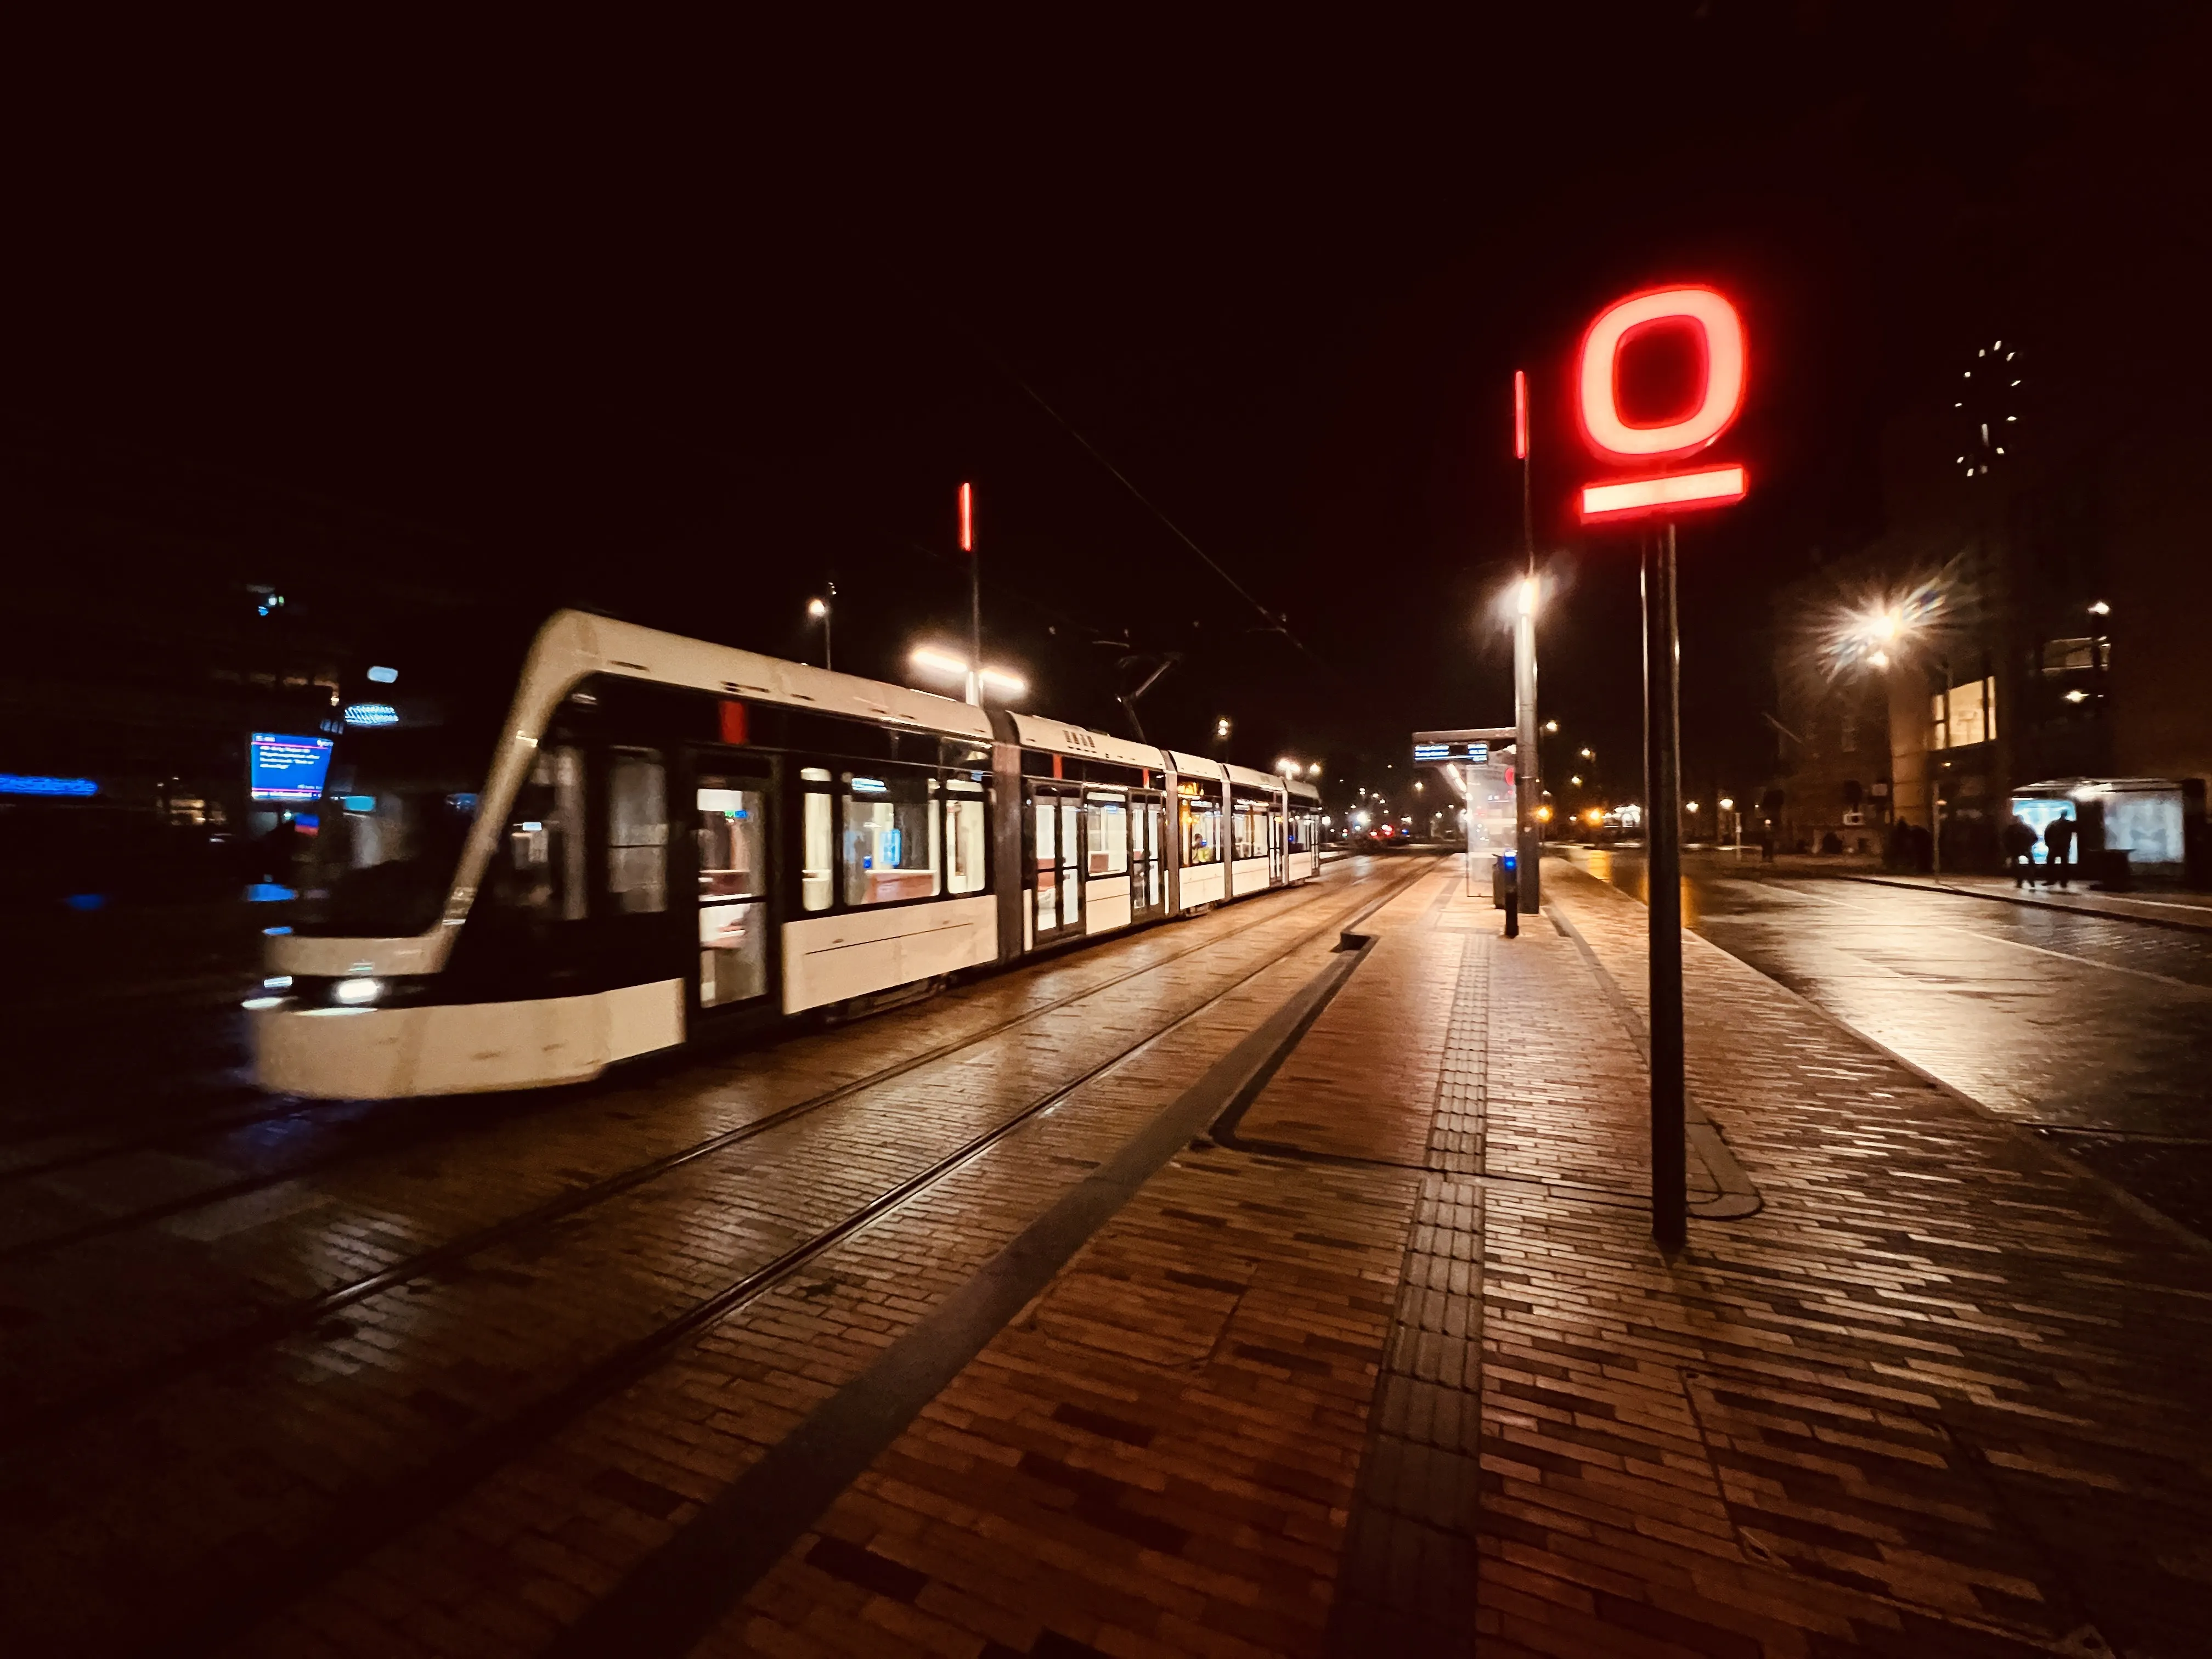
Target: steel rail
<point>119,1388</point>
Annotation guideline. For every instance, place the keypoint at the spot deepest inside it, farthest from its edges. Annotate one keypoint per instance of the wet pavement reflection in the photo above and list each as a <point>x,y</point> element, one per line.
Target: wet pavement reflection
<point>2095,1031</point>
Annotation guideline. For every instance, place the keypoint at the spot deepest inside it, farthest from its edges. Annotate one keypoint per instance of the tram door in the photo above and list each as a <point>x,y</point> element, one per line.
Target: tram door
<point>730,829</point>
<point>1055,838</point>
<point>1148,882</point>
<point>1278,847</point>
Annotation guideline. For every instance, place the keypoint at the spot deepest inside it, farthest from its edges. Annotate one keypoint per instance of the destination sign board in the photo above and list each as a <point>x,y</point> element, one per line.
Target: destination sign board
<point>1441,752</point>
<point>1469,746</point>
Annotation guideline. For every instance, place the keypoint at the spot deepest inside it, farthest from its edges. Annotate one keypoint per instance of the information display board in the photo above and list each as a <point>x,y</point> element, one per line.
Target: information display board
<point>286,768</point>
<point>1461,752</point>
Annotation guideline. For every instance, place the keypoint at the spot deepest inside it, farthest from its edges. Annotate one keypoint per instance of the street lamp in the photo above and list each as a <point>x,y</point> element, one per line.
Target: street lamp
<point>1897,624</point>
<point>930,660</point>
<point>1221,727</point>
<point>819,609</point>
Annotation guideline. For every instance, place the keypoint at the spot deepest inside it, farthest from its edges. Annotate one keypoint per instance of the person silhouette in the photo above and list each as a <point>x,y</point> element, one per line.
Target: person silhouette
<point>2018,840</point>
<point>2058,839</point>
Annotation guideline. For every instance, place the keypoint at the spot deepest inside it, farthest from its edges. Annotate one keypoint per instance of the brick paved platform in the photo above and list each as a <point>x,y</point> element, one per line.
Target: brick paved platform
<point>1415,1379</point>
<point>1370,1354</point>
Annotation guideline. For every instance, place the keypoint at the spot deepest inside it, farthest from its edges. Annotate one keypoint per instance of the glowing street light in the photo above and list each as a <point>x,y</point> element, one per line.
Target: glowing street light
<point>819,609</point>
<point>930,660</point>
<point>1221,727</point>
<point>1552,726</point>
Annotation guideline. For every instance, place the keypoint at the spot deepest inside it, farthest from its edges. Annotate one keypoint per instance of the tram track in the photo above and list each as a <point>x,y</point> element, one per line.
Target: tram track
<point>119,1388</point>
<point>404,1135</point>
<point>367,1521</point>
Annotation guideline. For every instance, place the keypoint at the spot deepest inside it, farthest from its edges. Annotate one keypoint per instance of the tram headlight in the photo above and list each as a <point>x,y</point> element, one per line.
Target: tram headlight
<point>356,993</point>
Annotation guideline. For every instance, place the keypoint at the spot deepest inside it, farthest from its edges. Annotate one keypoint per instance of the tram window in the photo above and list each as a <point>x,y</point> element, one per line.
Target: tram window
<point>1251,831</point>
<point>1109,828</point>
<point>1294,834</point>
<point>544,868</point>
<point>1201,818</point>
<point>967,836</point>
<point>1044,814</point>
<point>637,831</point>
<point>733,927</point>
<point>890,830</point>
<point>817,884</point>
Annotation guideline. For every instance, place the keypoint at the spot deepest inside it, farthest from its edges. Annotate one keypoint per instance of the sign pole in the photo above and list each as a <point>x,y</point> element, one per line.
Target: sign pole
<point>1660,496</point>
<point>1663,656</point>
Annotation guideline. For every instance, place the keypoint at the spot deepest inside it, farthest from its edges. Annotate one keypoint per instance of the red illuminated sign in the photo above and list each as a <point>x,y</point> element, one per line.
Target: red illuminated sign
<point>967,518</point>
<point>1520,416</point>
<point>1616,439</point>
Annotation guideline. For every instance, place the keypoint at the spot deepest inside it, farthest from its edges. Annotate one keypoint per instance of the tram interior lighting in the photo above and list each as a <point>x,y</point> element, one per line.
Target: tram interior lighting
<point>371,713</point>
<point>357,992</point>
<point>384,676</point>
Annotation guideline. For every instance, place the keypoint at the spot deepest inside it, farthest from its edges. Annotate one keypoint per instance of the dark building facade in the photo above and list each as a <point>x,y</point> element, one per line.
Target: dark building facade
<point>2028,630</point>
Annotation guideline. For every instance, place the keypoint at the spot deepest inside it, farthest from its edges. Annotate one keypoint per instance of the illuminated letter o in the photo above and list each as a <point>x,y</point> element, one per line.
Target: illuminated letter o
<point>1598,375</point>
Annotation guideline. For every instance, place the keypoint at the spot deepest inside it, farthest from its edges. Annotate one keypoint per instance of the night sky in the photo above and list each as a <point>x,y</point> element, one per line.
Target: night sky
<point>684,327</point>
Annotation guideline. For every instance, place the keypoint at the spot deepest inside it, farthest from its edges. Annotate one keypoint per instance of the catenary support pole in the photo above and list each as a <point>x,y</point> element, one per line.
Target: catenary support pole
<point>1528,766</point>
<point>1663,841</point>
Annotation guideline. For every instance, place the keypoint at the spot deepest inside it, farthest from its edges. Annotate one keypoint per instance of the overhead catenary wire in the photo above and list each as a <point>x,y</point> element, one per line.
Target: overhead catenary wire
<point>1276,621</point>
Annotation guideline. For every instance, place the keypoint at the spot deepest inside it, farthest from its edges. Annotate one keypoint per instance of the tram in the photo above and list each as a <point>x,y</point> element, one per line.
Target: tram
<point>612,842</point>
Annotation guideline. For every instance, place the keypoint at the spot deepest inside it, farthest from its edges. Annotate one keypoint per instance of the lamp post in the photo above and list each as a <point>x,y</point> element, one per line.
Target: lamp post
<point>1528,760</point>
<point>1891,628</point>
<point>1527,783</point>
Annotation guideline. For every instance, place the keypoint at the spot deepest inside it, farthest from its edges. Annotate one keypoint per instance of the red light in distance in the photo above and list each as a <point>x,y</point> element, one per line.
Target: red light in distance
<point>1609,433</point>
<point>967,518</point>
<point>1520,416</point>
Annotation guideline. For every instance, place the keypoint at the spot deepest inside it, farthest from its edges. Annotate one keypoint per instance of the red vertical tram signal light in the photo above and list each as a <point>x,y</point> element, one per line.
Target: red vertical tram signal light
<point>1622,442</point>
<point>967,518</point>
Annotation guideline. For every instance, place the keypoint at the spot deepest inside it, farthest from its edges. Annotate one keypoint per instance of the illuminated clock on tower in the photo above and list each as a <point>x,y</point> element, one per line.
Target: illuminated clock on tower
<point>1989,407</point>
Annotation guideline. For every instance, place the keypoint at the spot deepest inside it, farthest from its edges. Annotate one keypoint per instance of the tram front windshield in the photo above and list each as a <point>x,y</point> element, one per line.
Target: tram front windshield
<point>413,751</point>
<point>395,811</point>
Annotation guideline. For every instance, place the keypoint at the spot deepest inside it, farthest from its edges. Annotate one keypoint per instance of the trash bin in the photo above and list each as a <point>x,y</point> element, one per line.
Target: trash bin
<point>1504,873</point>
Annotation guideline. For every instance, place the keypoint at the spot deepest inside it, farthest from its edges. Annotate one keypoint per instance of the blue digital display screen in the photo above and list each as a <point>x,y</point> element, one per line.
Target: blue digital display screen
<point>280,767</point>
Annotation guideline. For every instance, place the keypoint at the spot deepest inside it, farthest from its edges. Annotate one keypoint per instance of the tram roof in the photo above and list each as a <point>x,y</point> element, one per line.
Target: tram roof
<point>1057,736</point>
<point>672,658</point>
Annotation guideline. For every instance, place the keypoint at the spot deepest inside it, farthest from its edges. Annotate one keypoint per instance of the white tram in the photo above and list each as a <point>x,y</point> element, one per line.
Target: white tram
<point>667,840</point>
